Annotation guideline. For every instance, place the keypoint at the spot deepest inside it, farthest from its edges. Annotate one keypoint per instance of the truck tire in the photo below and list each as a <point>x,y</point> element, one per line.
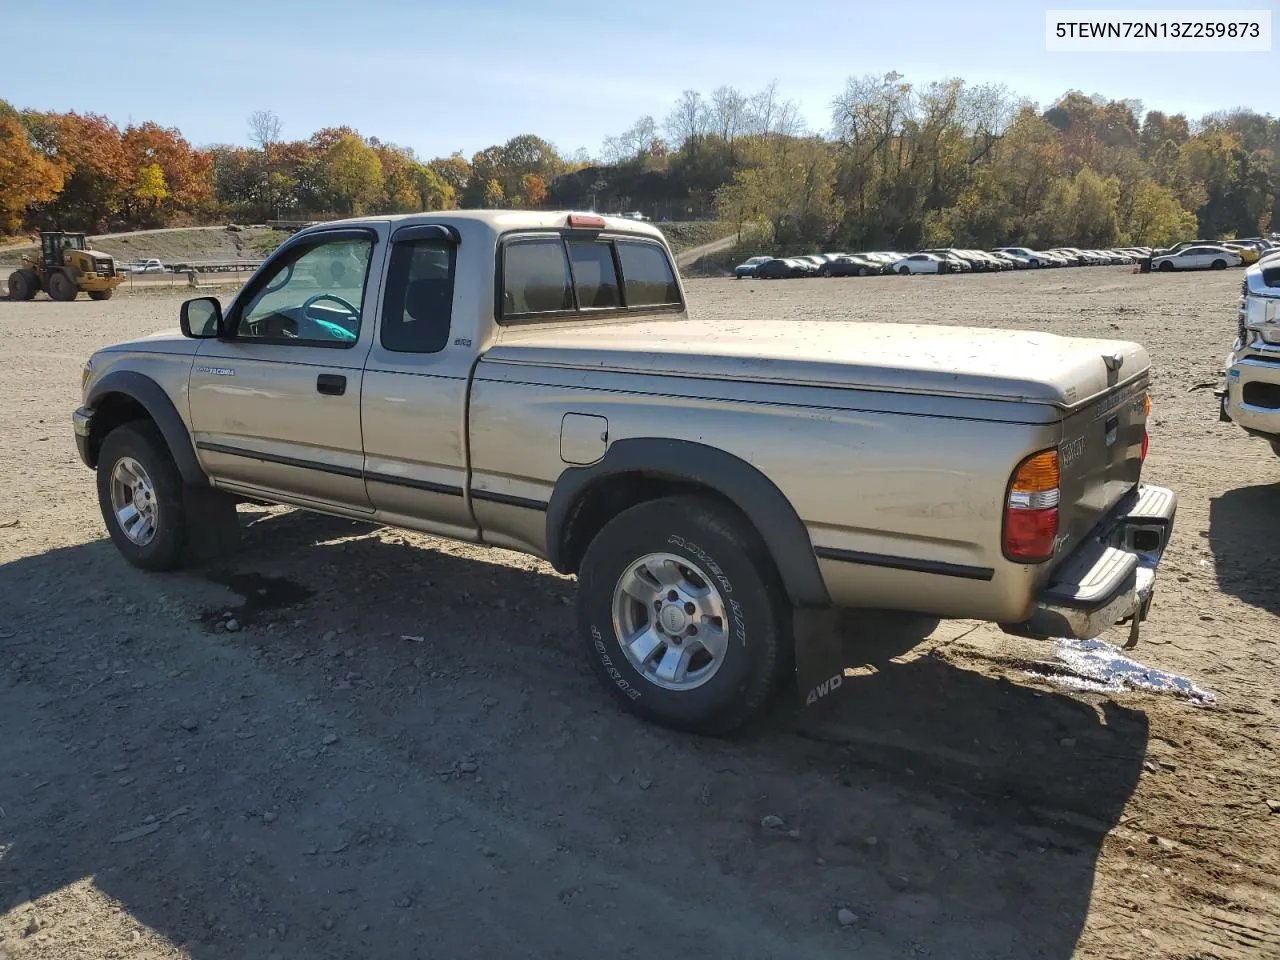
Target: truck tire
<point>684,616</point>
<point>140,494</point>
<point>22,285</point>
<point>61,287</point>
<point>100,294</point>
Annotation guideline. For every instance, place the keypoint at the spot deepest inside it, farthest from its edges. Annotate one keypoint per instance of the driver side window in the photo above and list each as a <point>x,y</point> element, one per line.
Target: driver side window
<point>314,296</point>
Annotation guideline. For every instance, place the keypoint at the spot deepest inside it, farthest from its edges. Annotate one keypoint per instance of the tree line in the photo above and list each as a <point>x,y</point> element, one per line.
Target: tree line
<point>900,165</point>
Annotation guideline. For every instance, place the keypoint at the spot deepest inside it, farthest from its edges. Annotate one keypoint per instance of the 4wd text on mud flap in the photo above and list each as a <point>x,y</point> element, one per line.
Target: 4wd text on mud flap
<point>825,687</point>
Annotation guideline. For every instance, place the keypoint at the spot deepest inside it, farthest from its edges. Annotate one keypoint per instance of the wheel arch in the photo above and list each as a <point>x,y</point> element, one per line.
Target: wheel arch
<point>635,470</point>
<point>125,395</point>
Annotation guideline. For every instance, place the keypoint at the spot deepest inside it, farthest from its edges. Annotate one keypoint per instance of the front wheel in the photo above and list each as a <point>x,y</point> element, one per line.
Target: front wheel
<point>140,495</point>
<point>61,287</point>
<point>903,271</point>
<point>683,614</point>
<point>1165,267</point>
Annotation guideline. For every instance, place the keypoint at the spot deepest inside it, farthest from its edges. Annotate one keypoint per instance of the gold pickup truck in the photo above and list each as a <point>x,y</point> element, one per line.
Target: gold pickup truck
<point>533,380</point>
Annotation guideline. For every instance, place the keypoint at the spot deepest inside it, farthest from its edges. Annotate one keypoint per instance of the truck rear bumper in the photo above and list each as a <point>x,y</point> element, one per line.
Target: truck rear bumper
<point>1109,579</point>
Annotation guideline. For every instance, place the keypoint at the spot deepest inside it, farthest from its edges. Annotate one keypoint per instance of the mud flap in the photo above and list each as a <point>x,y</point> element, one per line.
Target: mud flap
<point>819,656</point>
<point>213,526</point>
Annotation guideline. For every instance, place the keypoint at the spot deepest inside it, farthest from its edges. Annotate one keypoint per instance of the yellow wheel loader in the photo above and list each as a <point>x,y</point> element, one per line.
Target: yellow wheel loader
<point>64,267</point>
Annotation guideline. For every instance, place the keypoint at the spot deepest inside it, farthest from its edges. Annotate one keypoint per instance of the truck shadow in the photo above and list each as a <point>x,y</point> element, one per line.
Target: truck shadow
<point>1244,535</point>
<point>955,813</point>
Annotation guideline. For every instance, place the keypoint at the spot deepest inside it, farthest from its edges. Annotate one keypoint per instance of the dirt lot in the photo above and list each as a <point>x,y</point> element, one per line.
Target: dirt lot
<point>402,752</point>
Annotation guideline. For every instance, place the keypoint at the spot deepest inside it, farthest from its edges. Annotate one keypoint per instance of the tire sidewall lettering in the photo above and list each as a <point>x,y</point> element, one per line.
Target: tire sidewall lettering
<point>709,564</point>
<point>597,641</point>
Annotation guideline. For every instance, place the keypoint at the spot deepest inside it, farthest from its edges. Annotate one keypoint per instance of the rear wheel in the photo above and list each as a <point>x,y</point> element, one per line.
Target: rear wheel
<point>22,285</point>
<point>100,294</point>
<point>140,495</point>
<point>1219,265</point>
<point>683,614</point>
<point>61,287</point>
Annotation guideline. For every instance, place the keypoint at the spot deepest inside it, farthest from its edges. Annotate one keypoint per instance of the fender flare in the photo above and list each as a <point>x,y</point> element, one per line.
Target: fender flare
<point>159,406</point>
<point>738,481</point>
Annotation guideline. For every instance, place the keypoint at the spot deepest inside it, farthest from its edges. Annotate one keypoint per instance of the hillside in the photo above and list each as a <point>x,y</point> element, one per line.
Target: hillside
<point>184,243</point>
<point>254,243</point>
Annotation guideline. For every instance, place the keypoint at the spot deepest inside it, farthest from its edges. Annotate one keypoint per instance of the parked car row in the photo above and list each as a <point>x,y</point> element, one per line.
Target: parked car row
<point>1187,255</point>
<point>938,260</point>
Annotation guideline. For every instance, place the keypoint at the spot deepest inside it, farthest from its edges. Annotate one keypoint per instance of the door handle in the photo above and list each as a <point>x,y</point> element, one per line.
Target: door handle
<point>331,384</point>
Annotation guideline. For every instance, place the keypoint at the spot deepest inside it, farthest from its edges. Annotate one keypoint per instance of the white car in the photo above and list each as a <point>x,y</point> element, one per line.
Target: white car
<point>918,263</point>
<point>144,266</point>
<point>1034,257</point>
<point>1198,258</point>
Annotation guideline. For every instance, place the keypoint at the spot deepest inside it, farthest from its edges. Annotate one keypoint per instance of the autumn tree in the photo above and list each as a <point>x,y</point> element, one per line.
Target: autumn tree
<point>97,171</point>
<point>27,176</point>
<point>453,170</point>
<point>187,172</point>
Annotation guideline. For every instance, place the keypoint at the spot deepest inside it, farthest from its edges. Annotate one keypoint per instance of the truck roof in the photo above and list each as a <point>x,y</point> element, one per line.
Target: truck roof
<point>503,221</point>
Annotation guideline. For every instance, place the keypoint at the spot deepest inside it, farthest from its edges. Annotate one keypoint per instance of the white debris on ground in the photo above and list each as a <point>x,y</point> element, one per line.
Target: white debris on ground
<point>1094,665</point>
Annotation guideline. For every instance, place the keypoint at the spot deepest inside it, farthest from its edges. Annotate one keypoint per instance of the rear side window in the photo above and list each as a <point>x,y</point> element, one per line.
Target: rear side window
<point>594,275</point>
<point>564,274</point>
<point>536,277</point>
<point>650,280</point>
<point>418,305</point>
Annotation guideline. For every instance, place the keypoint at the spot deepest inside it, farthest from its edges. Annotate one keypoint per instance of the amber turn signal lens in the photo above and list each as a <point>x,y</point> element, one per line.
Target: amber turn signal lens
<point>1146,404</point>
<point>1037,474</point>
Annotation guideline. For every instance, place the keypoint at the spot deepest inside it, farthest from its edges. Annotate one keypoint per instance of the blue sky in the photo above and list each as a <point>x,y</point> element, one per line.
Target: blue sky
<point>441,77</point>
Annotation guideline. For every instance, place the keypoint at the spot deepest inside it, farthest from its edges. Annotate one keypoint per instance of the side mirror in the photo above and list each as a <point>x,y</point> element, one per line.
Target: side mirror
<point>202,318</point>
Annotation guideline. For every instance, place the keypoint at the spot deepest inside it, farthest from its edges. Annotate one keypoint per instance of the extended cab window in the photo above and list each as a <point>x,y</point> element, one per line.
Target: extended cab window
<point>418,304</point>
<point>650,280</point>
<point>553,275</point>
<point>313,295</point>
<point>536,277</point>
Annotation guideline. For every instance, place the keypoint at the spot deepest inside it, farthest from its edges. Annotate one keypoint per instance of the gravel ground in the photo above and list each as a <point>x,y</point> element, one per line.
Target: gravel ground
<point>401,752</point>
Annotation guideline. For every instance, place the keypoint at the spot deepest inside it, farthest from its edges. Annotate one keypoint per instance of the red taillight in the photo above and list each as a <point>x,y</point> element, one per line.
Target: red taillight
<point>1146,445</point>
<point>1031,511</point>
<point>587,221</point>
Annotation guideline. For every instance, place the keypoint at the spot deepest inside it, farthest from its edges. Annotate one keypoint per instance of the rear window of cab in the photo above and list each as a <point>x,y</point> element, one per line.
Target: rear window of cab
<point>551,275</point>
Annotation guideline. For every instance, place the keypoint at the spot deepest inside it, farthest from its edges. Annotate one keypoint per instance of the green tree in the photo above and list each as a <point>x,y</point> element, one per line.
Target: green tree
<point>494,196</point>
<point>351,174</point>
<point>1155,217</point>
